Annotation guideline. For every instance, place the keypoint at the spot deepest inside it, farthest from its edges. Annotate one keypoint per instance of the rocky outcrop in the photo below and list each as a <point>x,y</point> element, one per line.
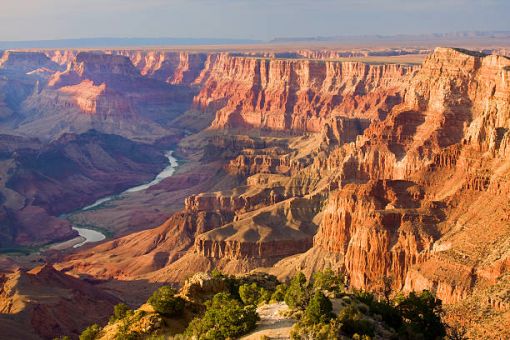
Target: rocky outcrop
<point>229,146</point>
<point>341,130</point>
<point>202,286</point>
<point>50,304</point>
<point>25,62</point>
<point>445,141</point>
<point>381,229</point>
<point>104,92</point>
<point>62,57</point>
<point>283,229</point>
<point>172,67</point>
<point>251,163</point>
<point>278,94</point>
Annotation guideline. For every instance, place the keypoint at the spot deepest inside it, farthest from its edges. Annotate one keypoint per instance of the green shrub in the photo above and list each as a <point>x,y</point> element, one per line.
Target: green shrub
<point>216,273</point>
<point>265,296</point>
<point>91,332</point>
<point>316,321</point>
<point>297,294</point>
<point>120,311</point>
<point>224,318</point>
<point>353,322</point>
<point>328,280</point>
<point>252,294</point>
<point>319,310</point>
<point>320,331</point>
<point>249,294</point>
<point>422,314</point>
<point>165,302</point>
<point>279,293</point>
<point>389,314</point>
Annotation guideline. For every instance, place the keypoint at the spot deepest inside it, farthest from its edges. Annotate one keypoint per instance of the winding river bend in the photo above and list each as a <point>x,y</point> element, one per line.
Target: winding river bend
<point>92,236</point>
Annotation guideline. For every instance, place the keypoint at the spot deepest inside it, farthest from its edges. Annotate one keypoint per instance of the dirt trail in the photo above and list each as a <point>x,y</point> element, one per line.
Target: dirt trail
<point>272,324</point>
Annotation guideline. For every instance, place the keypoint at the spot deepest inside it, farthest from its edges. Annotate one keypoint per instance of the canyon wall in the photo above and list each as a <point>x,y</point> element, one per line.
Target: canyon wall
<point>448,141</point>
<point>119,90</point>
<point>105,92</point>
<point>300,95</point>
<point>172,67</point>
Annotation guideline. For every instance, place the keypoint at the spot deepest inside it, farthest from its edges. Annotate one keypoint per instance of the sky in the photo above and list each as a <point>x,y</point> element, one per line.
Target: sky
<point>245,19</point>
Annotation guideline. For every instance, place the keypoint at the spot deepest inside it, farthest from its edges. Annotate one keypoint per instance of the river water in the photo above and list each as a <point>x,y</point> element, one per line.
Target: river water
<point>92,236</point>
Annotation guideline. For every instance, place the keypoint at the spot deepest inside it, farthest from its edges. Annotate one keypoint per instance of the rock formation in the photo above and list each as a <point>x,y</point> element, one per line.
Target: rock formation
<point>446,144</point>
<point>105,92</point>
<point>24,62</point>
<point>172,67</point>
<point>300,95</point>
<point>45,303</point>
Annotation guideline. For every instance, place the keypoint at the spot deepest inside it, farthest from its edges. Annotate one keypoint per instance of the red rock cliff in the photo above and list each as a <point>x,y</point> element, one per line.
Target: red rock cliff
<point>171,67</point>
<point>449,140</point>
<point>284,94</point>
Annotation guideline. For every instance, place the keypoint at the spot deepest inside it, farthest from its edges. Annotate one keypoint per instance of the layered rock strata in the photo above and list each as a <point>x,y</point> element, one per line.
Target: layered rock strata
<point>447,140</point>
<point>300,95</point>
<point>105,92</point>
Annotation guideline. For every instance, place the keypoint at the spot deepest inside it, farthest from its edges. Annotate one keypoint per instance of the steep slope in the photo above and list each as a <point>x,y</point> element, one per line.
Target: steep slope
<point>104,92</point>
<point>300,95</point>
<point>448,141</point>
<point>48,303</point>
<point>25,62</point>
<point>179,68</point>
<point>42,181</point>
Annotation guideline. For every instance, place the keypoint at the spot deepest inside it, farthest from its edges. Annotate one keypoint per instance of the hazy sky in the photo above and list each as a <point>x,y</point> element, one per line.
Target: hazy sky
<point>259,19</point>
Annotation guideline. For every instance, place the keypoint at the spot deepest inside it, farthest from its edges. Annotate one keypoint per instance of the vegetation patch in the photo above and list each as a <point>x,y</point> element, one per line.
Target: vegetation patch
<point>217,306</point>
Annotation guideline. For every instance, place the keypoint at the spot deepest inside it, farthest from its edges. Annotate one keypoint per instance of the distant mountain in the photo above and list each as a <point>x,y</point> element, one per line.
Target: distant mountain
<point>120,42</point>
<point>106,42</point>
<point>468,35</point>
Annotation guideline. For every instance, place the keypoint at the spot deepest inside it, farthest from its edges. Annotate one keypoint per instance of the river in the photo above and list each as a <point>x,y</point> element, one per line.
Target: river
<point>92,236</point>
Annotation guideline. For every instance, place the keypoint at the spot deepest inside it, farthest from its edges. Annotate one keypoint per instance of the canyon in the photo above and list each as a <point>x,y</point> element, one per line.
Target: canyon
<point>290,161</point>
